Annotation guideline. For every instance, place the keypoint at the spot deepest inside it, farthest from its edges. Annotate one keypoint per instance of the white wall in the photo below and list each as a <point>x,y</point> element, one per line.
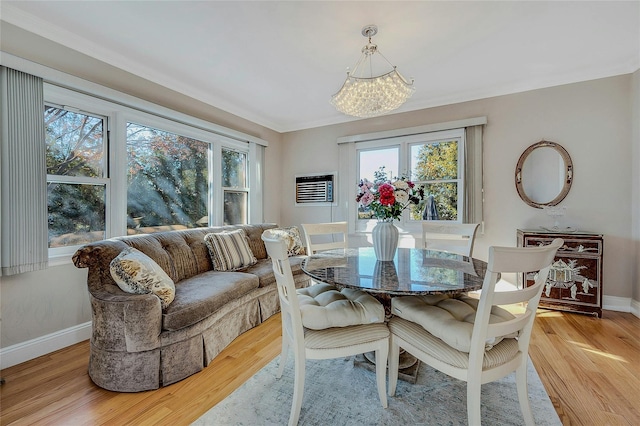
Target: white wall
<point>635,190</point>
<point>592,120</point>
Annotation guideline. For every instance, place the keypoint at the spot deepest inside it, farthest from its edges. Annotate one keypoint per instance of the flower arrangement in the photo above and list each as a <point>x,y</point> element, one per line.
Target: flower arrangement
<point>387,199</point>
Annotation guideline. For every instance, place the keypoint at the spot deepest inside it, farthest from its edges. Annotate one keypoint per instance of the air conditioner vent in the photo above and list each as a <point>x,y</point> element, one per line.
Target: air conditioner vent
<point>314,189</point>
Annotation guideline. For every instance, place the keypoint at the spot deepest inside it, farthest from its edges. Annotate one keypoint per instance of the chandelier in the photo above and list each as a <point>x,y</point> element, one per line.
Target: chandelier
<point>362,94</point>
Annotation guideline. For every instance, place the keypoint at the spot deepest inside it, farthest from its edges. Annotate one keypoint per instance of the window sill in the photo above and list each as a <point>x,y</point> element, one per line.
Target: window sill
<point>60,260</point>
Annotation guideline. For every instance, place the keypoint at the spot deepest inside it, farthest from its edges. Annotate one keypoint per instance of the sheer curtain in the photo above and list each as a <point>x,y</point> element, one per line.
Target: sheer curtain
<point>474,188</point>
<point>23,178</point>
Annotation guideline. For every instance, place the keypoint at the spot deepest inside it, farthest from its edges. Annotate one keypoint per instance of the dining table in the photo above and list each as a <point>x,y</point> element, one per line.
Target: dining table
<point>413,271</point>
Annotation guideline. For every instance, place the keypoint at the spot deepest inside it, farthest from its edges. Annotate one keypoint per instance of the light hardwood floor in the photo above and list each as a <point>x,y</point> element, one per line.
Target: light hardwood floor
<point>590,368</point>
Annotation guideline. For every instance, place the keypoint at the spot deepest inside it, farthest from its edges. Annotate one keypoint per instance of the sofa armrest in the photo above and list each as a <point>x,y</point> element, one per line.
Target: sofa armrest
<point>131,322</point>
<point>122,321</point>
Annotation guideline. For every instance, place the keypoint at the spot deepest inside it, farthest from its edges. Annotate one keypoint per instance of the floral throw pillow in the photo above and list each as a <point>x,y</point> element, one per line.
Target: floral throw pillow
<point>137,273</point>
<point>292,237</point>
<point>230,251</point>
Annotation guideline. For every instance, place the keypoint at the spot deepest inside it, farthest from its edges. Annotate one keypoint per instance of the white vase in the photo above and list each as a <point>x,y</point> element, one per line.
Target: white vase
<point>385,240</point>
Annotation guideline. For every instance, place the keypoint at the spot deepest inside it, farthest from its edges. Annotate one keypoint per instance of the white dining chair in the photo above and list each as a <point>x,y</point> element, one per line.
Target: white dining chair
<point>450,237</point>
<point>325,236</point>
<point>477,341</point>
<point>320,322</point>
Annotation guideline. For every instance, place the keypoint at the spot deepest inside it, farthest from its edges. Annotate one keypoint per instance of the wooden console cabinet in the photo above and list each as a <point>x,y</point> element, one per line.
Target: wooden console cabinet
<point>575,279</point>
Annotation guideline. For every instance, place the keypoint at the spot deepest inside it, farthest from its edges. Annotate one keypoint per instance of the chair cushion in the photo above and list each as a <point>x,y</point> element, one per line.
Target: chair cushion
<point>345,336</point>
<point>411,332</point>
<point>230,251</point>
<point>448,318</point>
<point>323,306</point>
<point>137,273</point>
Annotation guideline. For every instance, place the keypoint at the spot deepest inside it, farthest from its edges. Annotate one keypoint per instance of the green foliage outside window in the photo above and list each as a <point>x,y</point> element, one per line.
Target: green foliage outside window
<point>167,180</point>
<point>435,165</point>
<point>74,159</point>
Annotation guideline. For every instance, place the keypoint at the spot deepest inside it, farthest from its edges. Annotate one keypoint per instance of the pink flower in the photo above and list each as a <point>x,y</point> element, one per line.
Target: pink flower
<point>366,199</point>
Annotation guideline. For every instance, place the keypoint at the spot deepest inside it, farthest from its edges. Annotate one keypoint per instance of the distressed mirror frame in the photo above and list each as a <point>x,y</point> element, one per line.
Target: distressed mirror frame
<point>568,174</point>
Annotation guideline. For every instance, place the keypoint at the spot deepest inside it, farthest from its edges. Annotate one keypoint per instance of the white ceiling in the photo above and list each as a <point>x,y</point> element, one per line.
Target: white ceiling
<point>277,63</point>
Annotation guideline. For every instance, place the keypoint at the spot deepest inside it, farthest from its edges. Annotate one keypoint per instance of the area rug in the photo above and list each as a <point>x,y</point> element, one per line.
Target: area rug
<point>343,392</point>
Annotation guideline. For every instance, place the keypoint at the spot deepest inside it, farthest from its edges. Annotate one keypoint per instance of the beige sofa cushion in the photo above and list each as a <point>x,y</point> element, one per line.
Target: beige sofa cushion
<point>137,273</point>
<point>202,295</point>
<point>450,319</point>
<point>323,306</point>
<point>264,270</point>
<point>230,251</point>
<point>292,236</point>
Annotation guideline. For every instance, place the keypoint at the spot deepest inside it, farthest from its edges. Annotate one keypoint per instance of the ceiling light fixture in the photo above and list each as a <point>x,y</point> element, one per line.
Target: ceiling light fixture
<point>368,96</point>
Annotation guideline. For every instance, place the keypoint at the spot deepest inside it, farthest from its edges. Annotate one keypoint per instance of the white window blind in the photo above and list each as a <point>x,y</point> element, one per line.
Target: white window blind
<point>23,210</point>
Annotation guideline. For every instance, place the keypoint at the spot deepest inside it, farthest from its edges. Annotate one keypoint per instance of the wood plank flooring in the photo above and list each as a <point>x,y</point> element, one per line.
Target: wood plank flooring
<point>590,367</point>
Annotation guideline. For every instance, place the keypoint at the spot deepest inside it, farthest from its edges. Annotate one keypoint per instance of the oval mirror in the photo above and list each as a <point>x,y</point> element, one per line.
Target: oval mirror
<point>544,174</point>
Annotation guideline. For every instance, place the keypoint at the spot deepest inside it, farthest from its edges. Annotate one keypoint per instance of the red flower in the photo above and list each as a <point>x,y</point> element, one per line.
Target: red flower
<point>386,189</point>
<point>387,200</point>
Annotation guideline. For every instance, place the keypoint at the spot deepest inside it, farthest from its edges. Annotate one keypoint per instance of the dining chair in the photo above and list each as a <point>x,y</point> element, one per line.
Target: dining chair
<point>325,236</point>
<point>320,322</point>
<point>477,341</point>
<point>451,237</point>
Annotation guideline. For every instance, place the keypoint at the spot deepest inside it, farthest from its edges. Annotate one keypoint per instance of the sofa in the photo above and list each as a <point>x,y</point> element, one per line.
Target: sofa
<point>136,345</point>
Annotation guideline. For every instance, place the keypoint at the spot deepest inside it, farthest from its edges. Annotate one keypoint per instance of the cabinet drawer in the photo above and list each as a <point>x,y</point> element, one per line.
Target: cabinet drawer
<point>571,245</point>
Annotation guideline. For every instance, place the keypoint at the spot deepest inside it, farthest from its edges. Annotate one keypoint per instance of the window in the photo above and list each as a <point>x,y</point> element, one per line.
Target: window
<point>115,170</point>
<point>77,176</point>
<point>167,180</point>
<point>433,160</point>
<point>436,167</point>
<point>234,186</point>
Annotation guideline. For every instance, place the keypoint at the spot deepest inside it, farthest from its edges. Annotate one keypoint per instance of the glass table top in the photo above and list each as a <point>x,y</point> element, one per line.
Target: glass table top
<point>413,271</point>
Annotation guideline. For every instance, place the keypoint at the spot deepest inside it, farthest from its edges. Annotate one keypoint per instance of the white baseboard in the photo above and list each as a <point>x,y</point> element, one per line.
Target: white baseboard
<point>25,351</point>
<point>614,303</point>
<point>635,308</point>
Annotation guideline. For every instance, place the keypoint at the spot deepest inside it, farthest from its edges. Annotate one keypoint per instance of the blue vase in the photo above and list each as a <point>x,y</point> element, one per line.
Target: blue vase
<point>385,240</point>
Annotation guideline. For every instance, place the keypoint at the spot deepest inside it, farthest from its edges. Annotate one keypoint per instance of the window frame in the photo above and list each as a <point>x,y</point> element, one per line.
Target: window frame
<point>240,189</point>
<point>405,142</point>
<point>81,103</point>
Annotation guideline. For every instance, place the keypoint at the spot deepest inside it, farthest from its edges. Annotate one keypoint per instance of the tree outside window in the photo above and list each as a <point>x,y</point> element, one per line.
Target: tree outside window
<point>234,184</point>
<point>435,166</point>
<point>76,176</point>
<point>167,180</point>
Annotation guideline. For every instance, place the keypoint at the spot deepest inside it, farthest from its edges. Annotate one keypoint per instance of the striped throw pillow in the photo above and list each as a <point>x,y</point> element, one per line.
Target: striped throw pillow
<point>230,251</point>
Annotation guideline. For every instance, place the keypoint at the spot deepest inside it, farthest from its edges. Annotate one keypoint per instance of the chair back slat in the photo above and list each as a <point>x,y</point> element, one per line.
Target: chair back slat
<point>516,296</point>
<point>289,305</point>
<point>455,238</point>
<point>325,236</point>
<point>521,259</point>
<point>506,328</point>
<point>511,259</point>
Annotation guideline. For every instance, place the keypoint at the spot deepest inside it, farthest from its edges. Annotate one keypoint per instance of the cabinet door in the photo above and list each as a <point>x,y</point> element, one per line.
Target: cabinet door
<point>574,281</point>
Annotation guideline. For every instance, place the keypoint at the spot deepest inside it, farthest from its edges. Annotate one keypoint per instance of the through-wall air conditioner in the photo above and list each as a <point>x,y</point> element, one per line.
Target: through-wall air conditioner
<point>315,189</point>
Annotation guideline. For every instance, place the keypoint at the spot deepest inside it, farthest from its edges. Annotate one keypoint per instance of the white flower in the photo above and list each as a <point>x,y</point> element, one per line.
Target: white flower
<point>400,184</point>
<point>401,196</point>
